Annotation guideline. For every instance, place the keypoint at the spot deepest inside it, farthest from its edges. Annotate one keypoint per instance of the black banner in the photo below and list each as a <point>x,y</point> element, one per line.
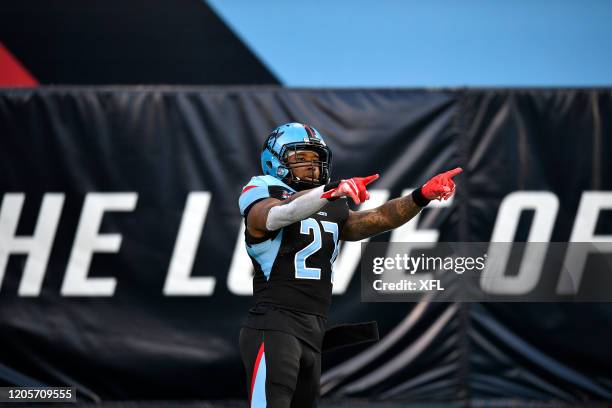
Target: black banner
<point>122,265</point>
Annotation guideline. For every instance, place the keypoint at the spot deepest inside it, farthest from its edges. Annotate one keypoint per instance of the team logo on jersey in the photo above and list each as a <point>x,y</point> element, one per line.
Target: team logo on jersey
<point>286,194</point>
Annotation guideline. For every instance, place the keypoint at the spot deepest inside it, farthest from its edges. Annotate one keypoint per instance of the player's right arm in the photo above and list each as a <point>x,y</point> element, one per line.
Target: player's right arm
<point>265,214</point>
<point>266,211</point>
<point>257,217</point>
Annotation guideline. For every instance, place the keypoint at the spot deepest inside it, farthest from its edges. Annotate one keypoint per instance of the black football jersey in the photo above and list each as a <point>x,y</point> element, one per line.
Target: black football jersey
<point>293,266</point>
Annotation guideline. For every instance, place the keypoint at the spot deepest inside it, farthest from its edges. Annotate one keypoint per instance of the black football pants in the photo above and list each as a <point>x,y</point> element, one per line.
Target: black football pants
<point>281,370</point>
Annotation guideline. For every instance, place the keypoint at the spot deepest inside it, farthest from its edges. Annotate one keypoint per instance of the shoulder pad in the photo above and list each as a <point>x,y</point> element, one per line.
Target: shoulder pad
<point>260,187</point>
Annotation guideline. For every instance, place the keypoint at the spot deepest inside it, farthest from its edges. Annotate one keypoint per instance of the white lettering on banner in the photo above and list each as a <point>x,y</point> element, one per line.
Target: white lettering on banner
<point>179,281</point>
<point>240,276</point>
<point>37,247</point>
<point>494,279</point>
<point>591,204</point>
<point>88,240</point>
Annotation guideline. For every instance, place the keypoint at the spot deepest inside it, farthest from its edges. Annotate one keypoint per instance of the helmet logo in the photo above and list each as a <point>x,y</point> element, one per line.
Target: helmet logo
<point>272,137</point>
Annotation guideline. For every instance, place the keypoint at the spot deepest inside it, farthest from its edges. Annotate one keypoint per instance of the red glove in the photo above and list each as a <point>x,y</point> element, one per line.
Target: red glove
<point>442,186</point>
<point>354,187</point>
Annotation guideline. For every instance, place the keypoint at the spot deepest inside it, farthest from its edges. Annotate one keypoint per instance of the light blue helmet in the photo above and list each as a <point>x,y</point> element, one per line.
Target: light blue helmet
<point>289,138</point>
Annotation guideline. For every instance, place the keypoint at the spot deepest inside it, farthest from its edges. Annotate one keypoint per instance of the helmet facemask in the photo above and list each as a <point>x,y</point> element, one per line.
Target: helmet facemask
<point>323,164</point>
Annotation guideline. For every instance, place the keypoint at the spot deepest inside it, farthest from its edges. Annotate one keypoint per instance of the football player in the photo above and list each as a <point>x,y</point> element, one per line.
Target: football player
<point>294,219</point>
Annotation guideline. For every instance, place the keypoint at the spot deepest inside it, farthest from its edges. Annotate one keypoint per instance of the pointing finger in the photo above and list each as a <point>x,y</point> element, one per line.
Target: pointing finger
<point>369,179</point>
<point>453,172</point>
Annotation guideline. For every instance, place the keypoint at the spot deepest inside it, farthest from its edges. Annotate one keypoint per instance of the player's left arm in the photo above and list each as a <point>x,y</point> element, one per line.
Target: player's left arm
<point>396,212</point>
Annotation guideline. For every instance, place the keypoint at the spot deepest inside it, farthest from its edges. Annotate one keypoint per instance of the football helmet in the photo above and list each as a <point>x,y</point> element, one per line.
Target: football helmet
<point>289,139</point>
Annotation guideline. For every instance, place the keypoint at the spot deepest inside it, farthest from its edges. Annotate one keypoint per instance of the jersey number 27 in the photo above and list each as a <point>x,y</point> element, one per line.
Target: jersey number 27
<point>307,225</point>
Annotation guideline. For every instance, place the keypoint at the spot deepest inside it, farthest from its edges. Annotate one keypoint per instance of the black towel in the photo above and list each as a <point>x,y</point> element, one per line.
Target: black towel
<point>349,334</point>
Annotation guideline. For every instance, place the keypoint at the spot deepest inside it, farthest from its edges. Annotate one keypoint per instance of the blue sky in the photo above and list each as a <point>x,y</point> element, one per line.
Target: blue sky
<point>427,43</point>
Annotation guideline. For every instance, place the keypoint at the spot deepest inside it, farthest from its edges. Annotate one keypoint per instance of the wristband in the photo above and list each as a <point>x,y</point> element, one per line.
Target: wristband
<point>419,199</point>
